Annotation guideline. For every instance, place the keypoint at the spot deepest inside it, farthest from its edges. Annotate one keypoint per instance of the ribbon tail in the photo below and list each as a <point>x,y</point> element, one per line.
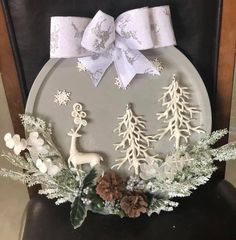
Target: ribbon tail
<point>130,62</point>
<point>96,65</point>
<point>143,65</point>
<point>124,69</point>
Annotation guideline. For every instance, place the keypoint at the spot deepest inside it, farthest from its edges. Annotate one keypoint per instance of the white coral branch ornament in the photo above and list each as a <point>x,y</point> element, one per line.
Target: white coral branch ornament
<point>178,114</point>
<point>135,143</point>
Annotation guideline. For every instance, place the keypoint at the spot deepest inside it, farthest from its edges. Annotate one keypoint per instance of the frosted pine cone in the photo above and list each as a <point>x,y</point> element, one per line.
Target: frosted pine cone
<point>133,205</point>
<point>110,186</point>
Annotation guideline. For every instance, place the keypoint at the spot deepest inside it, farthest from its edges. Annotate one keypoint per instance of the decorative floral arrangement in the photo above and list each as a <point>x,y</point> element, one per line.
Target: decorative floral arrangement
<point>154,182</point>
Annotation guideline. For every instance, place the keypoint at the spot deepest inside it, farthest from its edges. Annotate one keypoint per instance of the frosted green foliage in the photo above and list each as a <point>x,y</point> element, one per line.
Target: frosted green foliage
<point>63,186</point>
<point>198,172</point>
<point>209,140</point>
<point>158,205</point>
<point>19,161</point>
<point>17,176</point>
<point>224,153</point>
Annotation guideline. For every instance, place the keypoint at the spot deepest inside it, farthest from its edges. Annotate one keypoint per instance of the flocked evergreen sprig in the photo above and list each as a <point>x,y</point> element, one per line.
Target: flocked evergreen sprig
<point>196,172</point>
<point>150,191</point>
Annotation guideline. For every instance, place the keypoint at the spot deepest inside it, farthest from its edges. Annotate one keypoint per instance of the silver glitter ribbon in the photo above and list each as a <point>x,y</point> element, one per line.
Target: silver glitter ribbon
<point>100,41</point>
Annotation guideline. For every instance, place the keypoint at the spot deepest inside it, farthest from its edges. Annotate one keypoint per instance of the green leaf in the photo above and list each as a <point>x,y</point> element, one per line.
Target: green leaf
<point>78,212</point>
<point>89,179</point>
<point>97,204</point>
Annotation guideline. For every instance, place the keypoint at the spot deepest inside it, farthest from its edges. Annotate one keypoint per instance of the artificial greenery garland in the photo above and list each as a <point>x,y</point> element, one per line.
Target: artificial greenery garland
<point>182,171</point>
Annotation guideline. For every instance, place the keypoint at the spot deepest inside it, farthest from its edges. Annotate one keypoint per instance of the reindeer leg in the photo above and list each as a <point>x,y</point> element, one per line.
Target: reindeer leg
<point>69,162</point>
<point>79,167</point>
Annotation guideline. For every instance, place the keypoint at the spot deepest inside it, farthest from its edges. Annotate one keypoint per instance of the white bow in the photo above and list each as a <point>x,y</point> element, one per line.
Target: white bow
<point>102,40</point>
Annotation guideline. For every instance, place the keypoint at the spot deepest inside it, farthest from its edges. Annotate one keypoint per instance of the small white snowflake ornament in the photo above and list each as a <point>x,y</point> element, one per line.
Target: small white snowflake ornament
<point>81,67</point>
<point>15,142</point>
<point>119,84</point>
<point>62,97</point>
<point>158,64</point>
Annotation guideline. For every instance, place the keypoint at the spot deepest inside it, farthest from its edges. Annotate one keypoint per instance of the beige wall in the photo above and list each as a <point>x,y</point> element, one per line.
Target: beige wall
<point>13,195</point>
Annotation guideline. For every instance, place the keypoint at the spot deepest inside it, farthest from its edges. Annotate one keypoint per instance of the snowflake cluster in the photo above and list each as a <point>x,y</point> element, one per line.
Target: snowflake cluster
<point>62,97</point>
<point>81,67</point>
<point>158,64</point>
<point>119,84</point>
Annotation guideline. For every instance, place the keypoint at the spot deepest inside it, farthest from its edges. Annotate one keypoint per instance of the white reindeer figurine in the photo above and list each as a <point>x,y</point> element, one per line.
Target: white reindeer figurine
<point>77,158</point>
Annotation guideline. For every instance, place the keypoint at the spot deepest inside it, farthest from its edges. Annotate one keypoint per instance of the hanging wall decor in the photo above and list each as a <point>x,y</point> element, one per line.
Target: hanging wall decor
<point>119,121</point>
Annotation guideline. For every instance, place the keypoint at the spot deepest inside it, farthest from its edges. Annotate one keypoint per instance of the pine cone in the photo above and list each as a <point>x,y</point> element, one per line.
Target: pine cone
<point>133,205</point>
<point>110,186</point>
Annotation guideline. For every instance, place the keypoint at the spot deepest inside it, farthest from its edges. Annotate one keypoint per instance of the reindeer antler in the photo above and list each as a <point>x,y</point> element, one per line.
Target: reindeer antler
<point>79,118</point>
<point>71,132</point>
<point>74,133</point>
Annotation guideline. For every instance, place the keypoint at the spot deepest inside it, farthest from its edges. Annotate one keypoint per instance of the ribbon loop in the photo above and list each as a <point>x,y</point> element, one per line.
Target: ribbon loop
<point>100,33</point>
<point>135,29</point>
<point>100,41</point>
